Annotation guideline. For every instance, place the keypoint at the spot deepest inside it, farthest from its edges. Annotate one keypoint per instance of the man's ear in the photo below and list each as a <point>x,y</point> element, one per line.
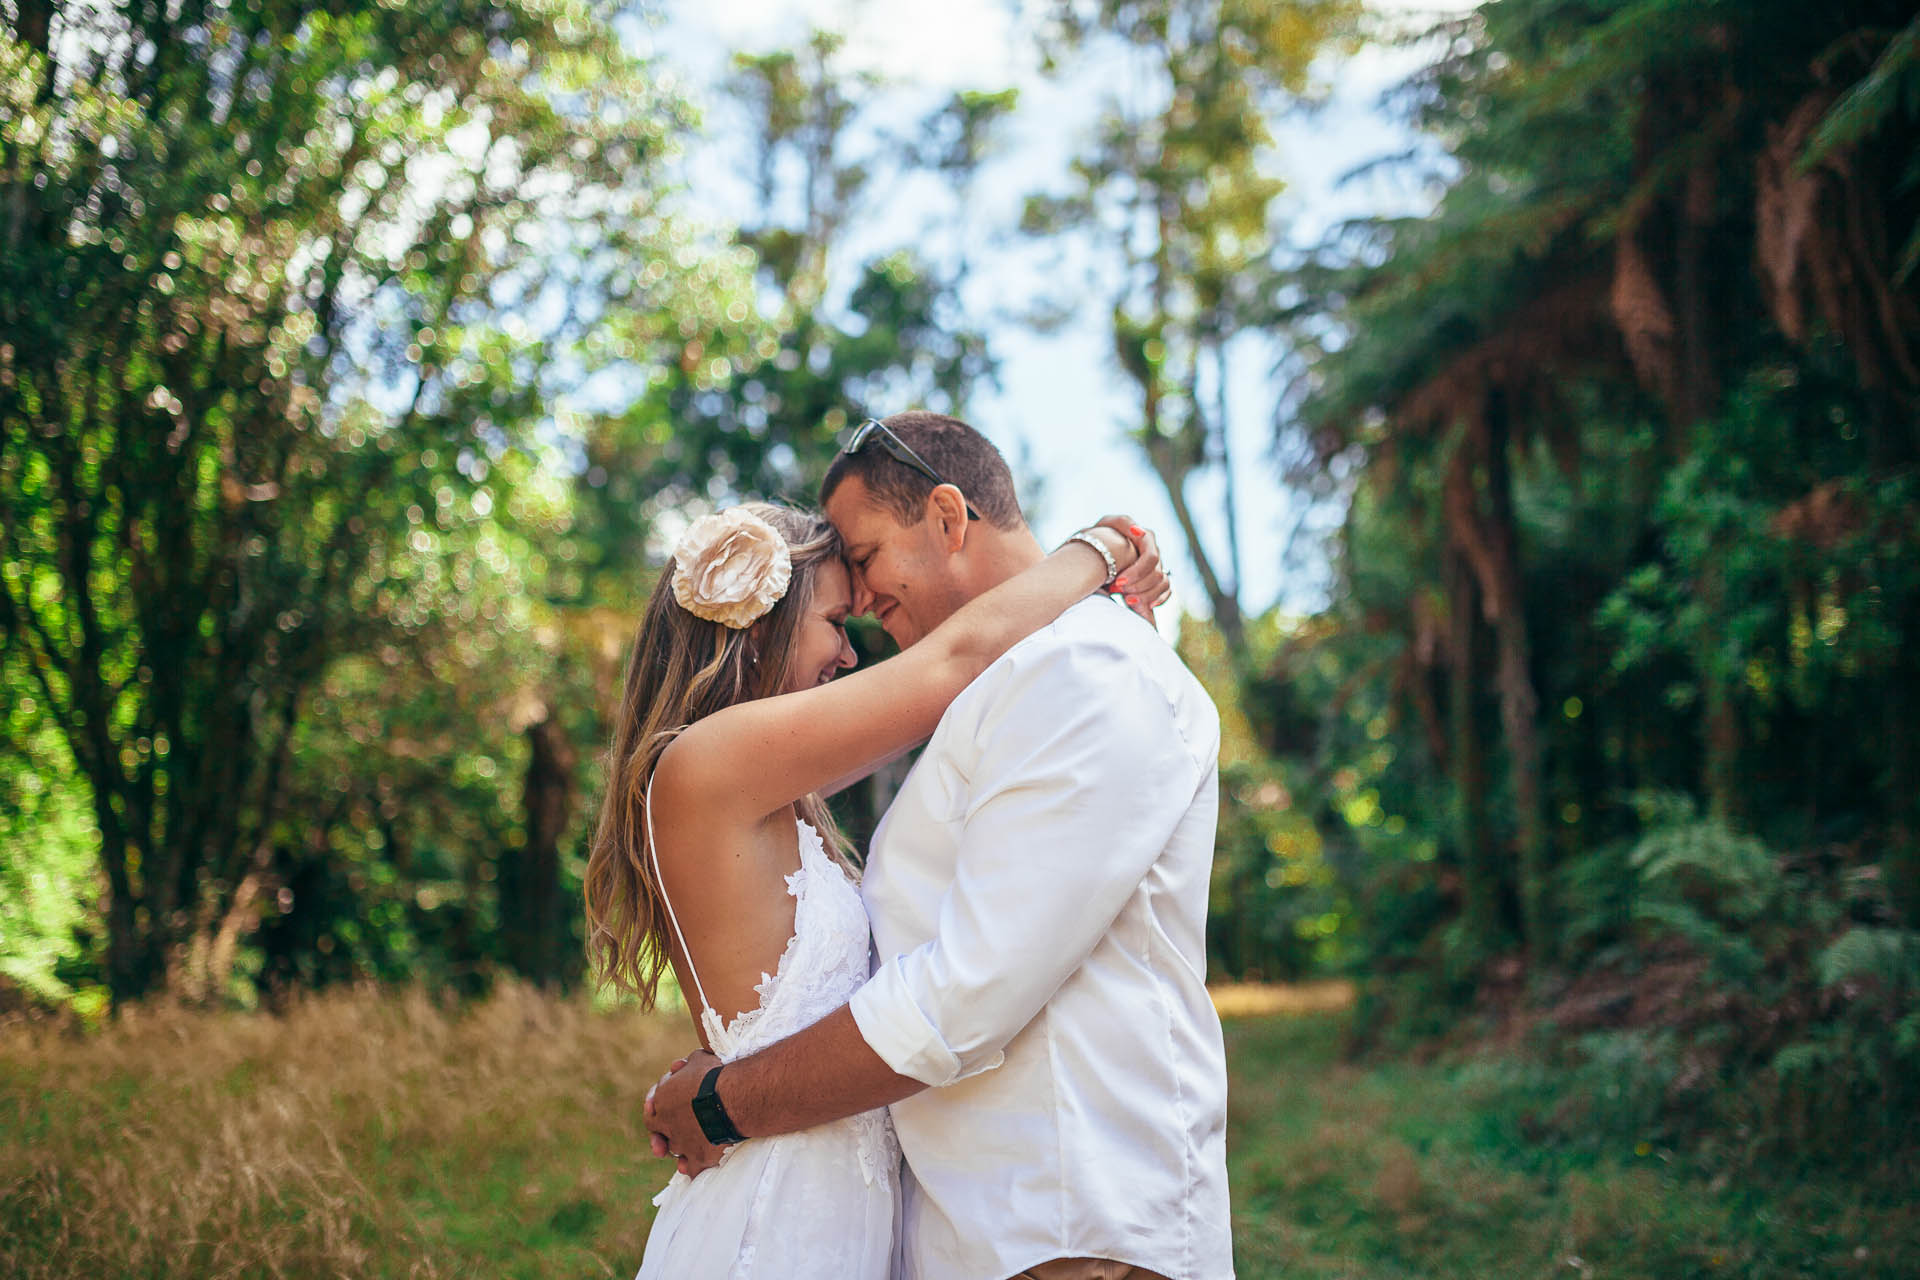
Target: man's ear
<point>947,509</point>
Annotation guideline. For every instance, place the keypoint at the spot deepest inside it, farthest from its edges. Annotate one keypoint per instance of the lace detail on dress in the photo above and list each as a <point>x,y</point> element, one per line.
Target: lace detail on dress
<point>877,1147</point>
<point>824,963</point>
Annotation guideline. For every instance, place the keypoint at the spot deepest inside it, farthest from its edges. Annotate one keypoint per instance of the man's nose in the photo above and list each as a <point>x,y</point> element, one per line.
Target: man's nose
<point>862,598</point>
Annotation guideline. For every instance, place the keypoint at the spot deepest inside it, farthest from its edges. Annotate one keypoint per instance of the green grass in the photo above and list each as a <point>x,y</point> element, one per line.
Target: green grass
<point>1398,1170</point>
<point>370,1134</point>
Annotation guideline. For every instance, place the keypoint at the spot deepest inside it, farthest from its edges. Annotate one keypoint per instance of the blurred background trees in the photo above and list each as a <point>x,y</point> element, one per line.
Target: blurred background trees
<point>357,364</point>
<point>288,291</point>
<point>1632,415</point>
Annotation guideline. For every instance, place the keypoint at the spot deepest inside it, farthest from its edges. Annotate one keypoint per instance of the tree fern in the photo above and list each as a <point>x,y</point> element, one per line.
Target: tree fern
<point>1706,860</point>
<point>1889,958</point>
<point>1888,96</point>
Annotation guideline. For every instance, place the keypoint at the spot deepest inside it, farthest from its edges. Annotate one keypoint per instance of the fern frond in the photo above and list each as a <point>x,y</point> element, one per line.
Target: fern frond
<point>1891,88</point>
<point>1890,957</point>
<point>1737,873</point>
<point>1734,956</point>
<point>1805,1058</point>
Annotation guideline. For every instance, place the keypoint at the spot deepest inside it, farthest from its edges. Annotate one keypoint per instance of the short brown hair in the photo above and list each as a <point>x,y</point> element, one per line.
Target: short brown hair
<point>964,458</point>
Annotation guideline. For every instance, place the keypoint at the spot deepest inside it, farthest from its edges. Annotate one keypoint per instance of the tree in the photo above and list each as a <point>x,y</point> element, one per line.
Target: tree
<point>1177,192</point>
<point>272,296</point>
<point>1586,258</point>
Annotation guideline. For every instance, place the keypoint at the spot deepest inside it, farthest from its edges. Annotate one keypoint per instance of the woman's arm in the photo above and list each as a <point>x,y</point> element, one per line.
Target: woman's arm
<point>756,757</point>
<point>867,770</point>
<point>1143,587</point>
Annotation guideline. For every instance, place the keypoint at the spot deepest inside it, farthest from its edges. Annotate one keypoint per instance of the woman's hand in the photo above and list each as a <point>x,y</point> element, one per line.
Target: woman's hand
<point>1143,584</point>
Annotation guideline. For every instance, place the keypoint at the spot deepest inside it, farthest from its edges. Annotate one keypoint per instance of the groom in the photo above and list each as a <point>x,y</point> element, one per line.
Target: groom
<point>1038,1021</point>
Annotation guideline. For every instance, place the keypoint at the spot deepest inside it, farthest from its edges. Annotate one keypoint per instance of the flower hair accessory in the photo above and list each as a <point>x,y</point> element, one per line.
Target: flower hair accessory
<point>730,568</point>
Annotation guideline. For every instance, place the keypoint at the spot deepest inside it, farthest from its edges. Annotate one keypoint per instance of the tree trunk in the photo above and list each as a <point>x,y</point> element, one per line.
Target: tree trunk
<point>1479,868</point>
<point>1226,605</point>
<point>1489,542</point>
<point>1903,789</point>
<point>1519,702</point>
<point>532,915</point>
<point>1699,391</point>
<point>1721,766</point>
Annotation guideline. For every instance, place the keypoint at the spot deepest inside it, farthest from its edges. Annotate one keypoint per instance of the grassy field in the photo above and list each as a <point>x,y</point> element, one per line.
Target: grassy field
<point>1398,1170</point>
<point>368,1134</point>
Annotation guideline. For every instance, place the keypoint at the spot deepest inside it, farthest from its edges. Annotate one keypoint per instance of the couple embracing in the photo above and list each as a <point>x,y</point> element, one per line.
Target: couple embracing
<point>1012,994</point>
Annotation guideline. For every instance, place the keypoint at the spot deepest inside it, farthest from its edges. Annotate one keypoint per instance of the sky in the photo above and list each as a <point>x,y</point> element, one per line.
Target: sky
<point>1061,409</point>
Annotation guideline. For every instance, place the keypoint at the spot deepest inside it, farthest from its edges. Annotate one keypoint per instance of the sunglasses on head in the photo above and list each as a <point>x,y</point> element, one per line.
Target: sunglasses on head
<point>874,431</point>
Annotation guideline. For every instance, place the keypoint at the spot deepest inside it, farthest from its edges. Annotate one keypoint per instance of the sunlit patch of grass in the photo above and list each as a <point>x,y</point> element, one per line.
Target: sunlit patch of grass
<point>1266,999</point>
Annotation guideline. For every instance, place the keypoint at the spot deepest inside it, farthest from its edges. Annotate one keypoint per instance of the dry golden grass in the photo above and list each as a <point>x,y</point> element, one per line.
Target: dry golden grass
<point>362,1133</point>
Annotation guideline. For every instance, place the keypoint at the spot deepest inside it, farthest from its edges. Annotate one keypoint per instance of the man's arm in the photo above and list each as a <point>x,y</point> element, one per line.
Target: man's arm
<point>1080,781</point>
<point>822,1073</point>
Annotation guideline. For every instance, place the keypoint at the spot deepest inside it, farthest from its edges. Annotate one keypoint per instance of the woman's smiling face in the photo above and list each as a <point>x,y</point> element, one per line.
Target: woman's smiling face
<point>820,647</point>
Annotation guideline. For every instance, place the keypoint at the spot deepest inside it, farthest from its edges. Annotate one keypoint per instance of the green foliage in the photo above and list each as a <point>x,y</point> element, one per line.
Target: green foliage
<point>1865,954</point>
<point>1276,908</point>
<point>1474,1164</point>
<point>273,351</point>
<point>347,358</point>
<point>751,405</point>
<point>1628,571</point>
<point>48,876</point>
<point>1886,98</point>
<point>1178,193</point>
<point>1775,999</point>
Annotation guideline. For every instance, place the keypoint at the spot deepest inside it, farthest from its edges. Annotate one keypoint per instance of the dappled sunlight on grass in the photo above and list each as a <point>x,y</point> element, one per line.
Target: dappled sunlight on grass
<point>1264,999</point>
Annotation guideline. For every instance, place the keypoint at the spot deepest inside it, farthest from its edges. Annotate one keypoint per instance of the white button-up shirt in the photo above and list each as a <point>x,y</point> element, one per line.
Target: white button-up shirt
<point>1038,892</point>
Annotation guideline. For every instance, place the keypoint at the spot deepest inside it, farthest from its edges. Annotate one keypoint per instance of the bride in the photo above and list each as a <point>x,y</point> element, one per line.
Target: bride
<point>716,853</point>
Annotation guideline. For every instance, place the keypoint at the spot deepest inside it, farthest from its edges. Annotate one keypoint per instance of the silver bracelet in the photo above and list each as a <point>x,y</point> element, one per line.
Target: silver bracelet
<point>1113,567</point>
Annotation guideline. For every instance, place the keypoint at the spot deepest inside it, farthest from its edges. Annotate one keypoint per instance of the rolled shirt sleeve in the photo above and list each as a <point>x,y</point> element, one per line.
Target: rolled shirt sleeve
<point>1078,779</point>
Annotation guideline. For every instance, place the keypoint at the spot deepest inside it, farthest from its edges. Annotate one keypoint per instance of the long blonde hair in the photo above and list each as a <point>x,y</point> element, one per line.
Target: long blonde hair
<point>682,669</point>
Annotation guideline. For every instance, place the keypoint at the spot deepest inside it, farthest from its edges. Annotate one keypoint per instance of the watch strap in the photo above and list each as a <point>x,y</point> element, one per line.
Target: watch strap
<point>715,1123</point>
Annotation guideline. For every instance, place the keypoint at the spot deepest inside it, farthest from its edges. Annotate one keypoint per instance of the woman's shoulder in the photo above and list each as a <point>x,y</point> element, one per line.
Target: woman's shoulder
<point>700,760</point>
<point>688,784</point>
<point>693,786</point>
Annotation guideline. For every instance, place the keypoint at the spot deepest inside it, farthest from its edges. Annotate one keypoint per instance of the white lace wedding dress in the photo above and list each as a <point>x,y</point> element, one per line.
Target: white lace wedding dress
<point>820,1203</point>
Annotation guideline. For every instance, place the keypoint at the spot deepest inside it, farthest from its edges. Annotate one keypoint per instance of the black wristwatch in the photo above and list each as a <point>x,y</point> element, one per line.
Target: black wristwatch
<point>713,1118</point>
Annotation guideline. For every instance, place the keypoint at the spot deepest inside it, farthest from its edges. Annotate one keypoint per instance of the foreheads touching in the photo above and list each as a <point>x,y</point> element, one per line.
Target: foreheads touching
<point>916,552</point>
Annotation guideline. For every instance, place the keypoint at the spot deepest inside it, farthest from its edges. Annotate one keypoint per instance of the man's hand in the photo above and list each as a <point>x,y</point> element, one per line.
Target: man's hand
<point>671,1125</point>
<point>1144,584</point>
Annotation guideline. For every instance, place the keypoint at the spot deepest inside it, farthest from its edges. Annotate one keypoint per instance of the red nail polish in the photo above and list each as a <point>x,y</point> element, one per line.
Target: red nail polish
<point>1136,531</point>
<point>1133,599</point>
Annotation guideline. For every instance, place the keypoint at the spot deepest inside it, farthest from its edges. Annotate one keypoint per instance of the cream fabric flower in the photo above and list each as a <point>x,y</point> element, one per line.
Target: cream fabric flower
<point>731,567</point>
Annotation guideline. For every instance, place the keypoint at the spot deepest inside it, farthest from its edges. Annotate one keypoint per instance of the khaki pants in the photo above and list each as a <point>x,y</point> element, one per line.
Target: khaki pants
<point>1087,1269</point>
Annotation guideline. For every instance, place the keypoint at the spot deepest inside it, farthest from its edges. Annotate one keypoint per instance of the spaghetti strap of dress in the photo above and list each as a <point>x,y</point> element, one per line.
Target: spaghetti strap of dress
<point>686,952</point>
